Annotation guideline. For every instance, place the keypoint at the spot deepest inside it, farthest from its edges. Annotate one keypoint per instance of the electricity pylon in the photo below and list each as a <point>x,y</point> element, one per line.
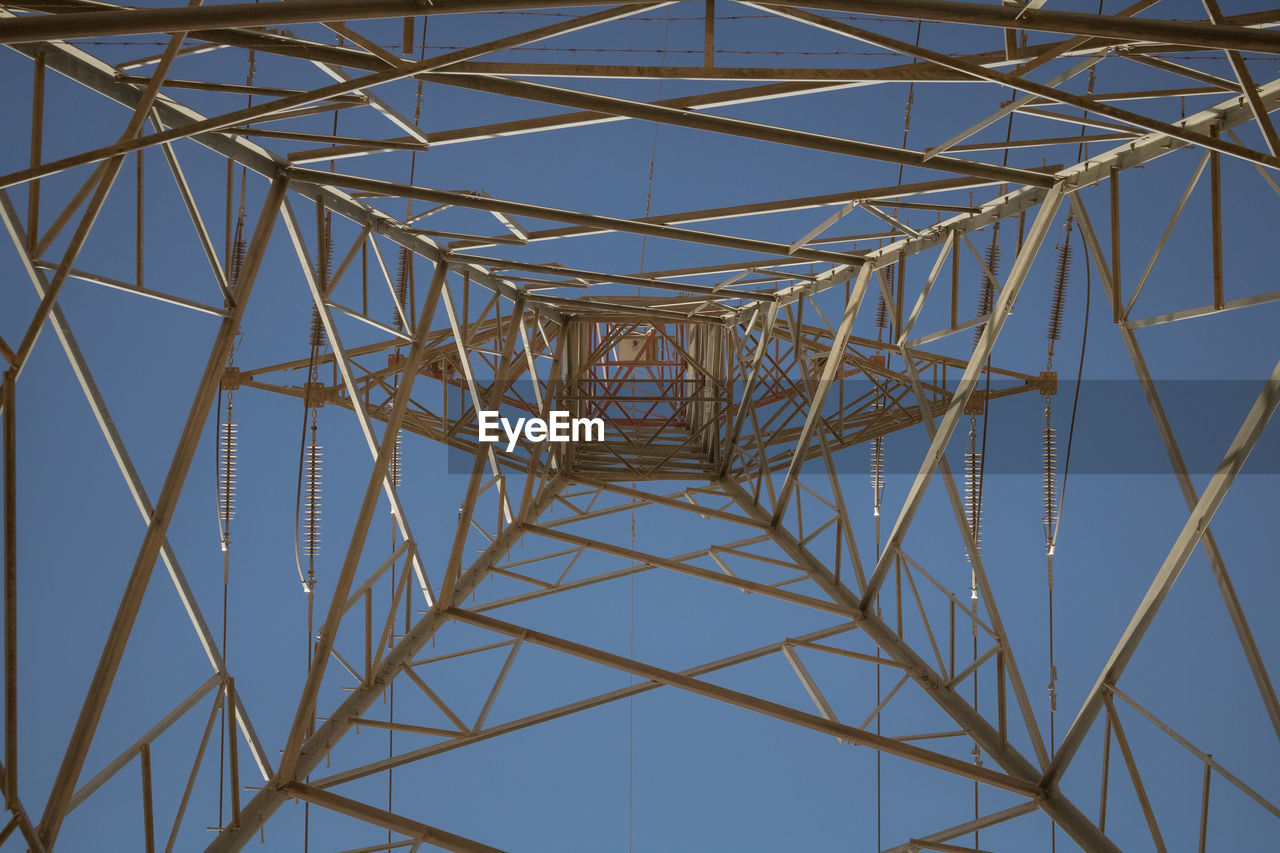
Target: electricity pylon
<point>732,392</point>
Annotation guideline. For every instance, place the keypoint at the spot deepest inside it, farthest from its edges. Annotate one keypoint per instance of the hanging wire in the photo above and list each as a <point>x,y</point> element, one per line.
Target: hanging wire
<point>225,472</point>
<point>631,708</point>
<point>1053,510</point>
<point>395,464</point>
<point>653,150</point>
<point>225,458</point>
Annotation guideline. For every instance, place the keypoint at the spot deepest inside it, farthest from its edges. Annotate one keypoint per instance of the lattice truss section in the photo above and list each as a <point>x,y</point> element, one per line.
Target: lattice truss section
<point>391,224</point>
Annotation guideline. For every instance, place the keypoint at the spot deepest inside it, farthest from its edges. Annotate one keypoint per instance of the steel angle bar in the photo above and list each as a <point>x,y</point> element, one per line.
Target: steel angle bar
<point>10,454</point>
<point>1175,131</point>
<point>1140,150</point>
<point>778,206</point>
<point>1204,310</point>
<point>193,212</point>
<point>835,359</point>
<point>70,25</point>
<point>1246,84</point>
<point>682,567</point>
<point>125,287</point>
<point>377,483</point>
<point>653,499</point>
<point>738,127</point>
<point>154,732</point>
<point>1051,801</point>
<point>91,72</point>
<point>535,211</point>
<point>944,253</point>
<point>22,820</point>
<point>1164,237</point>
<point>964,390</point>
<point>131,602</point>
<point>970,543</point>
<point>256,812</point>
<point>133,481</point>
<point>343,363</point>
<point>811,687</point>
<point>1123,742</point>
<point>569,709</point>
<point>1187,486</point>
<point>474,488</point>
<point>387,820</point>
<point>1188,538</point>
<point>751,703</point>
<point>289,102</point>
<point>1198,753</point>
<point>1011,107</point>
<point>968,827</point>
<point>1185,33</point>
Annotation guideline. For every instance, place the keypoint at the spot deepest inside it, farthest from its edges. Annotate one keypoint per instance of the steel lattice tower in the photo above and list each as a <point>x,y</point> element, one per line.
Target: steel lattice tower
<point>301,174</point>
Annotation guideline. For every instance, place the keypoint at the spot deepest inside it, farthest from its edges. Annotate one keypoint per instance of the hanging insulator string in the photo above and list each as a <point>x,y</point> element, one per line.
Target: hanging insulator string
<point>1057,302</point>
<point>404,273</point>
<point>311,508</point>
<point>226,475</point>
<point>394,463</point>
<point>877,474</point>
<point>1049,448</point>
<point>306,458</point>
<point>972,498</point>
<point>987,289</point>
<point>882,310</point>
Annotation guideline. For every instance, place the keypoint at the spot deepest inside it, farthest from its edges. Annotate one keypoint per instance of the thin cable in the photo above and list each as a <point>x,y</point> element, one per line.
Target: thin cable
<point>631,711</point>
<point>653,151</point>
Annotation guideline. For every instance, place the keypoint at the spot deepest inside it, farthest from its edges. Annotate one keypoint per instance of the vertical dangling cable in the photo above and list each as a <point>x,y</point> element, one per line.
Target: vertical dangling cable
<point>396,473</point>
<point>306,513</point>
<point>877,495</point>
<point>226,454</point>
<point>225,470</point>
<point>974,459</point>
<point>973,471</point>
<point>631,703</point>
